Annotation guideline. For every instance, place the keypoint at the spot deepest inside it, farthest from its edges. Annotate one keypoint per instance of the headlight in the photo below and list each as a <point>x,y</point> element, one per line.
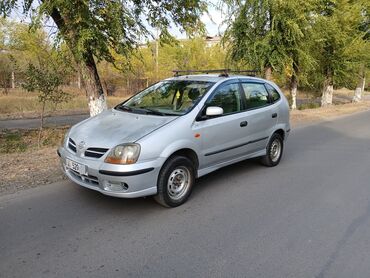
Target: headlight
<point>124,154</point>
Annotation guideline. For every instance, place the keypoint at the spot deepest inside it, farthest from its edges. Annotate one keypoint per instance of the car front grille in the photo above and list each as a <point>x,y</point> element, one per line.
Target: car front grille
<point>72,145</point>
<point>91,180</point>
<point>90,152</point>
<point>95,152</point>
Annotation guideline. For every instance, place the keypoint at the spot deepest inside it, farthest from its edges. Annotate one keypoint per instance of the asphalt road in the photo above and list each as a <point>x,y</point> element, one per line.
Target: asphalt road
<point>307,217</point>
<point>51,121</point>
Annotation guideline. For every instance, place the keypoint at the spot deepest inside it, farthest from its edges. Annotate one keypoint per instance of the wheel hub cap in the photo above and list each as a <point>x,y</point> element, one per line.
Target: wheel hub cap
<point>178,182</point>
<point>275,150</point>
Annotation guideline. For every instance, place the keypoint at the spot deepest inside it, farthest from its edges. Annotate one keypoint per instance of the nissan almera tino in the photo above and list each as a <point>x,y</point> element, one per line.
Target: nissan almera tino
<point>163,138</point>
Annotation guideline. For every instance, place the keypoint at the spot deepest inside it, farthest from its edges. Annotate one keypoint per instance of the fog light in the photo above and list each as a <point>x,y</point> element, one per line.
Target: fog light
<point>115,186</point>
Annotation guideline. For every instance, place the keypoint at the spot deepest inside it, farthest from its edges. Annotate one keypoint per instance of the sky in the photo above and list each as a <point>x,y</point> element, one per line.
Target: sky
<point>213,22</point>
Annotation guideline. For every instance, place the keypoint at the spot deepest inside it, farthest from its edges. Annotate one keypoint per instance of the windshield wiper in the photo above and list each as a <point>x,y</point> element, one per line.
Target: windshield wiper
<point>142,110</point>
<point>129,109</point>
<point>124,108</point>
<point>155,112</point>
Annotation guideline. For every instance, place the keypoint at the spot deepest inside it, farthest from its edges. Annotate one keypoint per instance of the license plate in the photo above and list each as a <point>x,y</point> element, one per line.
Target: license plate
<point>75,166</point>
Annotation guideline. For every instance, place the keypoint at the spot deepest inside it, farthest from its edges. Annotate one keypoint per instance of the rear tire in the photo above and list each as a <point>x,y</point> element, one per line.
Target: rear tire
<point>274,151</point>
<point>175,181</point>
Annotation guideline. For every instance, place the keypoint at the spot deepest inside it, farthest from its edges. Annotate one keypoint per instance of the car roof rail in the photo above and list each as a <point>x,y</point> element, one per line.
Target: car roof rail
<point>223,72</point>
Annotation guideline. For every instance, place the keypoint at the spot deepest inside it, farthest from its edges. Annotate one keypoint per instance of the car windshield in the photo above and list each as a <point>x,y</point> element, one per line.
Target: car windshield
<point>173,97</point>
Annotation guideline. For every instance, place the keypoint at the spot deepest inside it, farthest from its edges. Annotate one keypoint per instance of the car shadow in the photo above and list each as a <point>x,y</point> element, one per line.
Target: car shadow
<point>140,206</point>
<point>225,174</point>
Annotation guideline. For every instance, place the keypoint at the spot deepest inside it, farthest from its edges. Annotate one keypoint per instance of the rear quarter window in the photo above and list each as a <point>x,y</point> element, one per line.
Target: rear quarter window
<point>275,96</point>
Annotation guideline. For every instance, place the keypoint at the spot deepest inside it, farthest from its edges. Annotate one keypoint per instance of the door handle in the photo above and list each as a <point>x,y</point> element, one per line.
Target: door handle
<point>274,115</point>
<point>243,124</point>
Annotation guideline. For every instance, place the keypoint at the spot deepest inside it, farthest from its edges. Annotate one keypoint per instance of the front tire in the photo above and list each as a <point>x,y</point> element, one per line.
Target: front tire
<point>274,151</point>
<point>175,181</point>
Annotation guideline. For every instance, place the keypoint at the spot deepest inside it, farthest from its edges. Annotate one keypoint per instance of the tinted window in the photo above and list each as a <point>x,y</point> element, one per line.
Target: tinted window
<point>274,94</point>
<point>227,97</point>
<point>255,95</point>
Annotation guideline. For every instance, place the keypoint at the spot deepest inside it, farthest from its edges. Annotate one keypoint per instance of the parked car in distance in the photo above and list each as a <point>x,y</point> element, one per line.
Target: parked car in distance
<point>163,138</point>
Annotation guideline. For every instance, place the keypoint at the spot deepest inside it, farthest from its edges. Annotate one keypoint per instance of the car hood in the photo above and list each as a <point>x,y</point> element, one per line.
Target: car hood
<point>113,127</point>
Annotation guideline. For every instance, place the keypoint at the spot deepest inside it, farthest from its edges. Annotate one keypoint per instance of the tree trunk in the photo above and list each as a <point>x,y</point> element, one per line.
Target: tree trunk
<point>79,80</point>
<point>327,92</point>
<point>363,83</point>
<point>358,94</point>
<point>293,90</point>
<point>13,80</point>
<point>41,124</point>
<point>268,72</point>
<point>93,87</point>
<point>360,86</point>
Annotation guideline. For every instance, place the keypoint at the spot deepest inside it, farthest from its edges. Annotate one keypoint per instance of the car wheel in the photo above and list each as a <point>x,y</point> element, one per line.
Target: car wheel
<point>274,151</point>
<point>175,181</point>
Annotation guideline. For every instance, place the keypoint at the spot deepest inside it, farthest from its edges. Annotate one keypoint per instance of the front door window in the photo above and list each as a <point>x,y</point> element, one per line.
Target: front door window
<point>228,98</point>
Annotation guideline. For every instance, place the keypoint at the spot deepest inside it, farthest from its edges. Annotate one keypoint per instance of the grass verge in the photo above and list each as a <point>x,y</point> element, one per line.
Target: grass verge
<point>23,164</point>
<point>17,141</point>
<point>26,105</point>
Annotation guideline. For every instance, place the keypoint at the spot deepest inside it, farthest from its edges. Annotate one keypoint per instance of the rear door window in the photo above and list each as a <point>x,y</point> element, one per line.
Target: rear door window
<point>256,95</point>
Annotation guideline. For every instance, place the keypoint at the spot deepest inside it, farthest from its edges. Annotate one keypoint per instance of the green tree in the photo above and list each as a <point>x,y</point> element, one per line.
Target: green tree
<point>271,35</point>
<point>362,52</point>
<point>26,48</point>
<point>5,71</point>
<point>184,54</point>
<point>5,62</point>
<point>96,29</point>
<point>22,47</point>
<point>248,34</point>
<point>337,41</point>
<point>47,82</point>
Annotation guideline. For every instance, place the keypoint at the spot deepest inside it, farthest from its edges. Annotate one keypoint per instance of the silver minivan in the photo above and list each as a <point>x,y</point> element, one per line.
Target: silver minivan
<point>163,138</point>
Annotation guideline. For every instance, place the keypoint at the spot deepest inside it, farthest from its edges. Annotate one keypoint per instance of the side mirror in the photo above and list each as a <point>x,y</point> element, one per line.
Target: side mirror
<point>214,111</point>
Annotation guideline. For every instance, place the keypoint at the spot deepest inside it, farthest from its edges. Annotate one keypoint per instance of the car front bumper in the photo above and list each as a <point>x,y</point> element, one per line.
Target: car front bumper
<point>124,181</point>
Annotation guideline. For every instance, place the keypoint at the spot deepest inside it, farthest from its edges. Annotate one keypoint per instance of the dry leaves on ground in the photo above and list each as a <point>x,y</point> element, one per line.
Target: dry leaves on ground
<point>29,169</point>
<point>309,116</point>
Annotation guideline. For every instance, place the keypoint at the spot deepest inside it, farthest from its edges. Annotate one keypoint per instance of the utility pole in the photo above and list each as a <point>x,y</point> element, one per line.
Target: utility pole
<point>156,55</point>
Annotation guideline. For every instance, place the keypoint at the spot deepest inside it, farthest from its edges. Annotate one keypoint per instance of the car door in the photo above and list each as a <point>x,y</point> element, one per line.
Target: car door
<point>260,114</point>
<point>223,137</point>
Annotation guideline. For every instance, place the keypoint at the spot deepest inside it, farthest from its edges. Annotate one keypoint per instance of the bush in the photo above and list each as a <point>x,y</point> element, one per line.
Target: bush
<point>12,142</point>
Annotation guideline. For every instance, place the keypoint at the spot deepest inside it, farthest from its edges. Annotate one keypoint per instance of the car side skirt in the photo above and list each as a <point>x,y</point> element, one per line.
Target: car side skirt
<point>207,170</point>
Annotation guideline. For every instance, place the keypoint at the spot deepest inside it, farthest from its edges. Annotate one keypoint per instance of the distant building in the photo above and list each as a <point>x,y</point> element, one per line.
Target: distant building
<point>211,41</point>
